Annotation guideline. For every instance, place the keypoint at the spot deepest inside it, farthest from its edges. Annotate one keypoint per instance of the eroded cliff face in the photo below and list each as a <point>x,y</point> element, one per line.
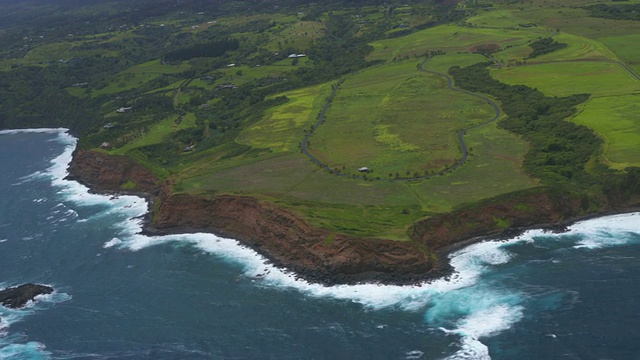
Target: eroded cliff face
<point>505,217</point>
<point>282,237</point>
<point>318,255</point>
<point>287,240</point>
<point>105,173</point>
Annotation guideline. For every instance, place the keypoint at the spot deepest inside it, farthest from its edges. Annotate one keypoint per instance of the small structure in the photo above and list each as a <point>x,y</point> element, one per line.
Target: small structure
<point>123,110</point>
<point>231,65</point>
<point>363,169</point>
<point>227,87</point>
<point>109,126</point>
<point>105,145</point>
<point>293,56</point>
<point>188,148</point>
<point>82,84</point>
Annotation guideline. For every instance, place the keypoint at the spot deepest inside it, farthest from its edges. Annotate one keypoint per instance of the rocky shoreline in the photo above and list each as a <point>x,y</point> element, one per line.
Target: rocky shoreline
<point>317,255</point>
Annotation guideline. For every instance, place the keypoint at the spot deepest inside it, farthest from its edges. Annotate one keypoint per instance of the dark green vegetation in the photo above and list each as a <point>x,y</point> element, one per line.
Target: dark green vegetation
<point>545,46</point>
<point>219,96</point>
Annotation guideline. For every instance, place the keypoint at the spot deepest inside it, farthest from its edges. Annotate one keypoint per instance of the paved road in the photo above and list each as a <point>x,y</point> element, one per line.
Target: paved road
<point>461,133</point>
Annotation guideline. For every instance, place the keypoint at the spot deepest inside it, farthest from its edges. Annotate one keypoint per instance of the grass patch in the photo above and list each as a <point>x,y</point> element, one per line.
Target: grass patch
<point>578,48</point>
<point>499,18</point>
<point>378,119</point>
<point>451,38</point>
<point>626,48</point>
<point>616,119</point>
<point>282,127</point>
<point>566,78</point>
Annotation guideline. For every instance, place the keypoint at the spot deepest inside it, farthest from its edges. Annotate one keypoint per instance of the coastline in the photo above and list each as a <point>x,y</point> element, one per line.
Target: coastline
<point>289,243</point>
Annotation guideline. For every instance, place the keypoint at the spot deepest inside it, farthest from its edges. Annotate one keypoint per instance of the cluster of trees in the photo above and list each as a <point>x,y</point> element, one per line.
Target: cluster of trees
<point>617,12</point>
<point>211,49</point>
<point>31,96</point>
<point>544,46</point>
<point>559,148</point>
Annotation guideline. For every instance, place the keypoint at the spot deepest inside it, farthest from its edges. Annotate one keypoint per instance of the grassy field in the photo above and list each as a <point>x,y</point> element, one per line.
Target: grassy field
<point>451,38</point>
<point>298,35</point>
<point>579,48</point>
<point>157,133</point>
<point>283,126</point>
<point>616,119</point>
<point>626,48</point>
<point>395,120</point>
<point>566,78</point>
<point>576,21</point>
<point>138,75</point>
<point>502,18</point>
<point>398,93</point>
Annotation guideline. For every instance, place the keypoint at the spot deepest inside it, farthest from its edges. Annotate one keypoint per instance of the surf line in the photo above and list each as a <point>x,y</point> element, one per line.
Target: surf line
<point>304,145</point>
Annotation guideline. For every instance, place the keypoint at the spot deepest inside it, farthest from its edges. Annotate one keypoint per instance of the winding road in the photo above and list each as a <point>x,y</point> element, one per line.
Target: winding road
<point>461,133</point>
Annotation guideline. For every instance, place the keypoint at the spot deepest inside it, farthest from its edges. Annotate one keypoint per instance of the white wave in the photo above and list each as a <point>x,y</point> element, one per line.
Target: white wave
<point>38,130</point>
<point>414,354</point>
<point>111,243</point>
<point>480,324</point>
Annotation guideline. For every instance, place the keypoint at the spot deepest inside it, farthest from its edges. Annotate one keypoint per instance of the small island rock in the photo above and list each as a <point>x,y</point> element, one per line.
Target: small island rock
<point>17,297</point>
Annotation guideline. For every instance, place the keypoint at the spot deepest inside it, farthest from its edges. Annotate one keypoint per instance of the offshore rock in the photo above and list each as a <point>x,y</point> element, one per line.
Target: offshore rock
<point>19,296</point>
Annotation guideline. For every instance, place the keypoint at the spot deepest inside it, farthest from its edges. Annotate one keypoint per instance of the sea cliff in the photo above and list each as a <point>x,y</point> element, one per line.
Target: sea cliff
<point>317,255</point>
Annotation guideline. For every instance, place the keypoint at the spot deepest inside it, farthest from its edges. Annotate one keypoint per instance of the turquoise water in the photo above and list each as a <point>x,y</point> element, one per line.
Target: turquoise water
<point>120,295</point>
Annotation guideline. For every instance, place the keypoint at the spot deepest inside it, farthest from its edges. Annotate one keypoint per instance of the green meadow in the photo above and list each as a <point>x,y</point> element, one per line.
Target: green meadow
<point>572,77</point>
<point>397,121</point>
<point>626,48</point>
<point>451,38</point>
<point>617,120</point>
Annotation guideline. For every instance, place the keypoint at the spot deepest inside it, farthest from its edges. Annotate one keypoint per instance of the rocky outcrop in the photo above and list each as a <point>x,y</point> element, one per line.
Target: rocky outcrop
<point>106,173</point>
<point>19,296</point>
<point>506,216</point>
<point>289,241</point>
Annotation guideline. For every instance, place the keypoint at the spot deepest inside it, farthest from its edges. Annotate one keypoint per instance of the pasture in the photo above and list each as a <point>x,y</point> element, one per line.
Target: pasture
<point>397,121</point>
<point>617,120</point>
<point>626,48</point>
<point>451,38</point>
<point>566,78</point>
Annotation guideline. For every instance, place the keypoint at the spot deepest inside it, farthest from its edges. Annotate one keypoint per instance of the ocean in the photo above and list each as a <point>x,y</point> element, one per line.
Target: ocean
<point>121,295</point>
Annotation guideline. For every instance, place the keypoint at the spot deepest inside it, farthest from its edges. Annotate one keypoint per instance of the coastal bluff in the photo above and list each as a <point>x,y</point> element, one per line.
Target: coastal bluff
<point>315,254</point>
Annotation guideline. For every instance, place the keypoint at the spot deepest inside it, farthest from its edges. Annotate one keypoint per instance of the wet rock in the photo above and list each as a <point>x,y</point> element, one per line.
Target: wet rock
<point>17,297</point>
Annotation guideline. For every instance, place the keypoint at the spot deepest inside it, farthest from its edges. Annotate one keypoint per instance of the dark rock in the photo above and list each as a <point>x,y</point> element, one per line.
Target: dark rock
<point>17,297</point>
